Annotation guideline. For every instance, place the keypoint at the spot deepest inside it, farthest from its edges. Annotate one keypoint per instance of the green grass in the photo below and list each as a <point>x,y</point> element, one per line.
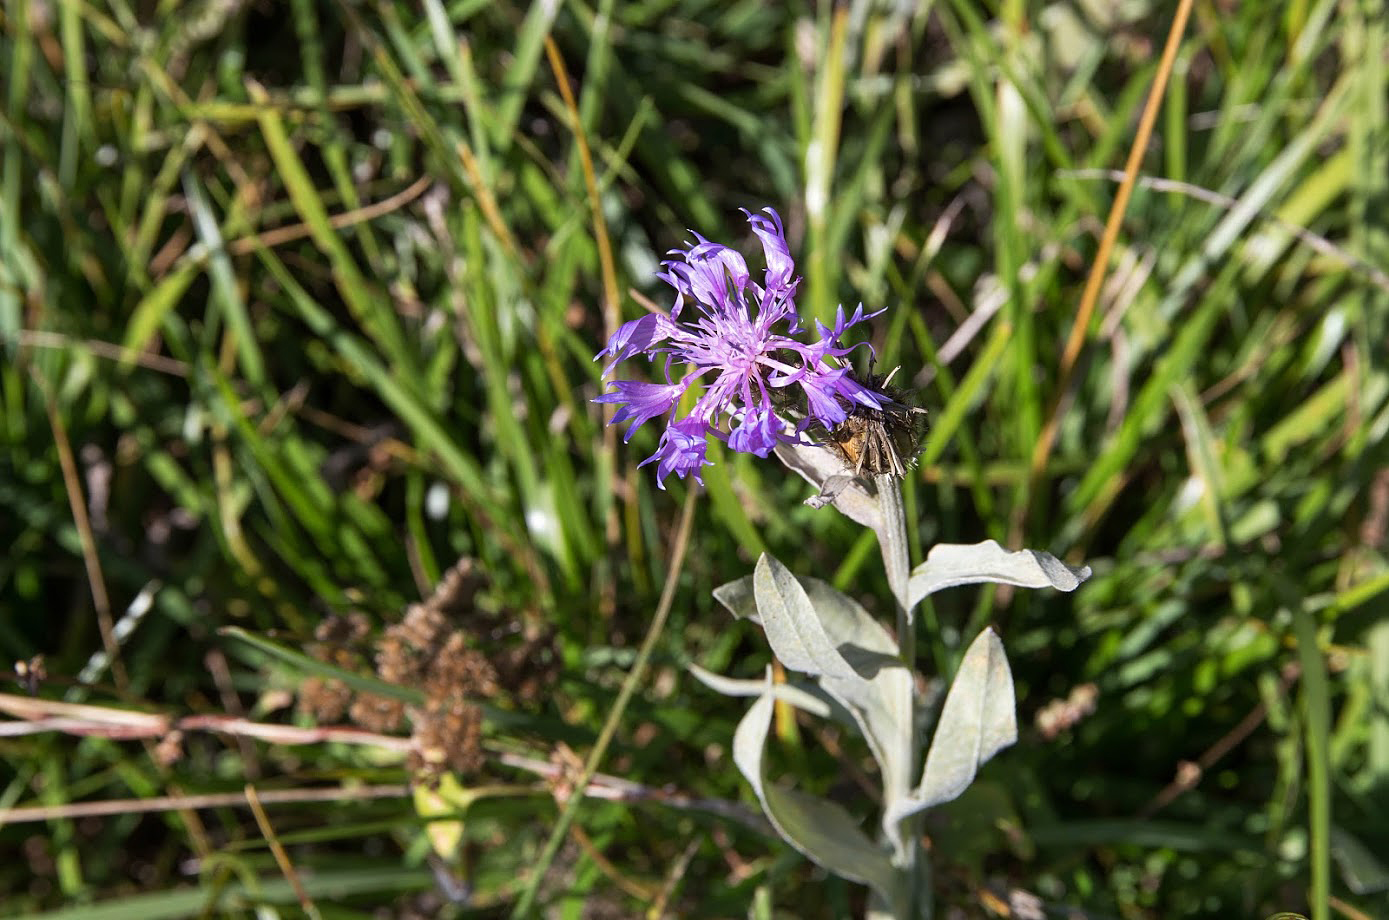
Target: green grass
<point>268,428</point>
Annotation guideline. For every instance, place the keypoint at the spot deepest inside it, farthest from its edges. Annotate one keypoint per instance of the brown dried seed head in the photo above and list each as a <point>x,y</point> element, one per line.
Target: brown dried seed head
<point>324,699</point>
<point>342,630</point>
<point>456,590</point>
<point>399,662</point>
<point>449,664</point>
<point>447,737</point>
<point>422,628</point>
<point>377,713</point>
<point>405,650</point>
<point>459,671</point>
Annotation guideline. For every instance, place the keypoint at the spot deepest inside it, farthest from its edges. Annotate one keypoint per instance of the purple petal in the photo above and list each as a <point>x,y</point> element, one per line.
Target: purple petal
<point>821,403</point>
<point>699,286</point>
<point>641,402</point>
<point>780,265</point>
<point>719,259</point>
<point>759,432</point>
<point>704,279</point>
<point>681,451</point>
<point>636,336</point>
<point>852,390</point>
<point>827,390</point>
<point>829,343</point>
<point>776,306</point>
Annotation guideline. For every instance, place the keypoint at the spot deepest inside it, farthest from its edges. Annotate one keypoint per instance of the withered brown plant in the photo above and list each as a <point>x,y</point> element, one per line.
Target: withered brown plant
<point>437,648</point>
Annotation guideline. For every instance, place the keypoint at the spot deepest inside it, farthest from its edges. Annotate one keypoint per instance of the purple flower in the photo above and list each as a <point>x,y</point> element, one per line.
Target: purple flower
<point>681,451</point>
<point>757,433</point>
<point>737,342</point>
<point>640,402</point>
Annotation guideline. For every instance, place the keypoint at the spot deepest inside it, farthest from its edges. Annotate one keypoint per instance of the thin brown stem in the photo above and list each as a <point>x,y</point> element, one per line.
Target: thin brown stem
<point>281,235</point>
<point>1110,235</point>
<point>526,903</point>
<point>277,849</point>
<point>32,813</point>
<point>607,269</point>
<point>96,581</point>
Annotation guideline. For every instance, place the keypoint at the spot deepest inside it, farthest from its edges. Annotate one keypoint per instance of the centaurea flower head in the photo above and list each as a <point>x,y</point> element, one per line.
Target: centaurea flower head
<point>733,334</point>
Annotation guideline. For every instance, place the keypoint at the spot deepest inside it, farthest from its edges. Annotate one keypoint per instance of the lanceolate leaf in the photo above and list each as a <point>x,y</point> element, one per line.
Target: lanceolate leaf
<point>977,721</point>
<point>820,829</point>
<point>737,596</point>
<point>854,659</point>
<point>951,564</point>
<point>880,698</point>
<point>788,693</point>
<point>792,627</point>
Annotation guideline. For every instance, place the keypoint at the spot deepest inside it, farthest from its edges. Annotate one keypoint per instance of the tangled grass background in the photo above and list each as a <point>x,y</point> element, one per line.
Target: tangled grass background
<point>298,303</point>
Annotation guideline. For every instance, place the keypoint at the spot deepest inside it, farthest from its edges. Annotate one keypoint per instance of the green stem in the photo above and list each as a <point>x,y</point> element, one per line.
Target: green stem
<point>892,540</point>
<point>1316,700</point>
<point>526,904</point>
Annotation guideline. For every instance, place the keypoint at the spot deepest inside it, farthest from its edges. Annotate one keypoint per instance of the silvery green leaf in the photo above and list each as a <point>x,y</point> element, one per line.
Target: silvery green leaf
<point>978,720</point>
<point>789,693</point>
<point>792,626</point>
<point>880,698</point>
<point>857,636</point>
<point>822,469</point>
<point>855,659</point>
<point>803,694</point>
<point>818,828</point>
<point>843,619</point>
<point>951,564</point>
<point>737,596</point>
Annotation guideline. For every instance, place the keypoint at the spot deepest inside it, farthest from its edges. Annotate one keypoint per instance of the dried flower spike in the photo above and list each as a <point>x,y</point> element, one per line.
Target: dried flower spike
<point>739,345</point>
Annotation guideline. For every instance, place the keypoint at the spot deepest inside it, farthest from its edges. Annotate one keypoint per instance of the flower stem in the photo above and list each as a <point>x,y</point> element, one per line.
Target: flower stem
<point>892,540</point>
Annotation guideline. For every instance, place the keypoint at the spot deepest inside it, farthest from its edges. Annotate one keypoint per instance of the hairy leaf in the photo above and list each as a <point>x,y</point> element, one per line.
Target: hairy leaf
<point>950,564</point>
<point>799,697</point>
<point>977,721</point>
<point>820,829</point>
<point>819,631</point>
